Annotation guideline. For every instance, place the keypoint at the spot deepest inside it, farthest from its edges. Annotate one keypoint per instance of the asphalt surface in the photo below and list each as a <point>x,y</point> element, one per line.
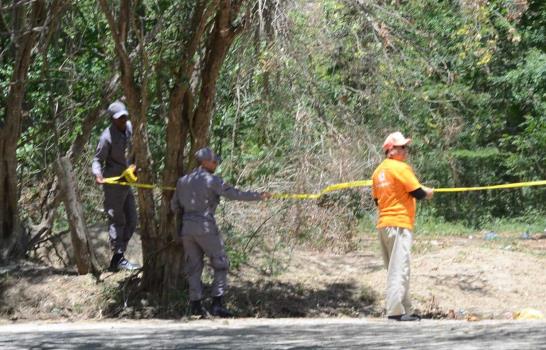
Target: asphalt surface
<point>275,334</point>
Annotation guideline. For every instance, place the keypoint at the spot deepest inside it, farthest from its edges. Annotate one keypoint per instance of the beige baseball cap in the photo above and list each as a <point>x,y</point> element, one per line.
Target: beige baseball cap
<point>395,139</point>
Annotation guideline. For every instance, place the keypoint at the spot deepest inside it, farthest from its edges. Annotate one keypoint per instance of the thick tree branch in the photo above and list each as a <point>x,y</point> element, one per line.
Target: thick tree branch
<point>222,37</point>
<point>124,16</point>
<point>119,39</point>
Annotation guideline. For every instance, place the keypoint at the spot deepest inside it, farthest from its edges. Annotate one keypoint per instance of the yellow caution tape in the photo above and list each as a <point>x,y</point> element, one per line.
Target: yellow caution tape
<point>127,174</point>
<point>130,177</point>
<point>365,183</point>
<point>139,185</point>
<point>493,187</point>
<point>331,188</point>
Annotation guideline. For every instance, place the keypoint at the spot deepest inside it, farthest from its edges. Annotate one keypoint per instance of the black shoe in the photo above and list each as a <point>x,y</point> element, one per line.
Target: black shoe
<point>124,264</point>
<point>220,311</point>
<point>407,318</point>
<point>217,309</point>
<point>197,310</point>
<point>116,258</point>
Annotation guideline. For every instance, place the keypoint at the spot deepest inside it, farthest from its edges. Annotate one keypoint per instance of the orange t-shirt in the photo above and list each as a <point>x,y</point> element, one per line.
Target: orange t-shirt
<point>392,182</point>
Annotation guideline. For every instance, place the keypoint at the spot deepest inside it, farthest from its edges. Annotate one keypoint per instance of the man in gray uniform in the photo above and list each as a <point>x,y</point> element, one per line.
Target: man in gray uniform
<point>119,202</point>
<point>195,200</point>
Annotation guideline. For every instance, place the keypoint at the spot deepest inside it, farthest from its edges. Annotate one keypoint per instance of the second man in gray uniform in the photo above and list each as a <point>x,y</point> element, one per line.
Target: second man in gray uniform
<point>195,200</point>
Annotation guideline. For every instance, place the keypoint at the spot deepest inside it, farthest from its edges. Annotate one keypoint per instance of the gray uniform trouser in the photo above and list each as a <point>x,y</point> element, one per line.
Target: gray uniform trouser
<point>119,204</point>
<point>195,247</point>
<point>396,249</point>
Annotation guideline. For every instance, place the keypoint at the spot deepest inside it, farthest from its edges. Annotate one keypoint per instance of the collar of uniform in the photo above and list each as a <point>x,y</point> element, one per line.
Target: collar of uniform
<point>124,133</point>
<point>200,169</point>
<point>395,160</point>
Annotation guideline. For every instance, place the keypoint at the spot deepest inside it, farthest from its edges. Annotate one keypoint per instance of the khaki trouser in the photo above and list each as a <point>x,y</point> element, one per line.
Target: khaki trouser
<point>396,249</point>
<point>195,247</point>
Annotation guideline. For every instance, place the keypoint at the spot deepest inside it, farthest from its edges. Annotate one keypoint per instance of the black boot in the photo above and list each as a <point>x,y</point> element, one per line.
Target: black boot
<point>218,308</point>
<point>405,318</point>
<point>116,258</point>
<point>197,310</point>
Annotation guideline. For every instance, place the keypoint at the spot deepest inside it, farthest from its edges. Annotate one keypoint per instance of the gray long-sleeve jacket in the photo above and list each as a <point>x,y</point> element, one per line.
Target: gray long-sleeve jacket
<point>110,158</point>
<point>196,198</point>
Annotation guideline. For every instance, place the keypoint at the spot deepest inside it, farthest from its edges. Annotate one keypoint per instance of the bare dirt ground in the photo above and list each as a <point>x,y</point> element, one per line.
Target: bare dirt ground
<point>452,278</point>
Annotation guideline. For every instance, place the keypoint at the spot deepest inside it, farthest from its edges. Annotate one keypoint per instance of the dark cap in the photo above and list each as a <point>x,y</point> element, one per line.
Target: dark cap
<point>207,154</point>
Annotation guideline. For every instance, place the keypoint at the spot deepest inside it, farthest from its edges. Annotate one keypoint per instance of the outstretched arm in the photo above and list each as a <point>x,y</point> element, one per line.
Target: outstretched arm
<point>225,190</point>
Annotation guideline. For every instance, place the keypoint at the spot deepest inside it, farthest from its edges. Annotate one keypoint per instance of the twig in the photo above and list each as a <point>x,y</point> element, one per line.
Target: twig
<point>261,225</point>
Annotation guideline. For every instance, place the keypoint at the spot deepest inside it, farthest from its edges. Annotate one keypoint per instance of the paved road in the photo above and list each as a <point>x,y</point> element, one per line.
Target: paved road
<point>276,334</point>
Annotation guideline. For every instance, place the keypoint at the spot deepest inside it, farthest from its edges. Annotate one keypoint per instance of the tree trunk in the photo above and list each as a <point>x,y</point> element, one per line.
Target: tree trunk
<point>180,107</point>
<point>167,274</point>
<point>12,238</point>
<point>162,259</point>
<point>181,112</point>
<point>83,250</point>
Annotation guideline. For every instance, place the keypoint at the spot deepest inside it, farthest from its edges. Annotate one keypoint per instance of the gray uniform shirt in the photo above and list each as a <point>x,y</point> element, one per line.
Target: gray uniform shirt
<point>196,198</point>
<point>110,158</point>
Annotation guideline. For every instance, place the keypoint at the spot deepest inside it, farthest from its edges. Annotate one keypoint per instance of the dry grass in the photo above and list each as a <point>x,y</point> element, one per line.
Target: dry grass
<point>332,221</point>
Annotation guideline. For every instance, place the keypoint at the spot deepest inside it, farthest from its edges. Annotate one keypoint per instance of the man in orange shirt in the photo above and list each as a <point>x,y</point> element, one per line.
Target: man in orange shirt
<point>395,189</point>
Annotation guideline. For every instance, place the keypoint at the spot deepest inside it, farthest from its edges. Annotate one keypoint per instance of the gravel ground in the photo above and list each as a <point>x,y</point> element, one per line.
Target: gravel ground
<point>341,333</point>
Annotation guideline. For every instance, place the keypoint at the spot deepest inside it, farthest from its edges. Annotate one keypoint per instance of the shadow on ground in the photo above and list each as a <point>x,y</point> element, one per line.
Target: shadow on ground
<point>269,299</point>
<point>12,275</point>
<point>280,299</point>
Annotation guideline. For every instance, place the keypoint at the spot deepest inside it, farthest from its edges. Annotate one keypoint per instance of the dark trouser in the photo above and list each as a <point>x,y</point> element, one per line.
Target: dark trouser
<point>119,204</point>
<point>195,247</point>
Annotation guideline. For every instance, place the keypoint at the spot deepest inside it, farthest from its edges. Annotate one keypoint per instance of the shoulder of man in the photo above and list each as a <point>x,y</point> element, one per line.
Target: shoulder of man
<point>198,175</point>
<point>406,167</point>
<point>215,178</point>
<point>129,127</point>
<point>399,166</point>
<point>188,177</point>
<point>106,135</point>
<point>212,181</point>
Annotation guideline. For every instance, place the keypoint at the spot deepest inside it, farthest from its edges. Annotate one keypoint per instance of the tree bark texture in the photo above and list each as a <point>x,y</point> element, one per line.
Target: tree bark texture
<point>24,38</point>
<point>221,38</point>
<point>83,250</point>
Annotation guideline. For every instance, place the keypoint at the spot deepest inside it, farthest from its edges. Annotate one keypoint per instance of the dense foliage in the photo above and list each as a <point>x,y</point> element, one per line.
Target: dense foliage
<point>309,91</point>
<point>465,79</point>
